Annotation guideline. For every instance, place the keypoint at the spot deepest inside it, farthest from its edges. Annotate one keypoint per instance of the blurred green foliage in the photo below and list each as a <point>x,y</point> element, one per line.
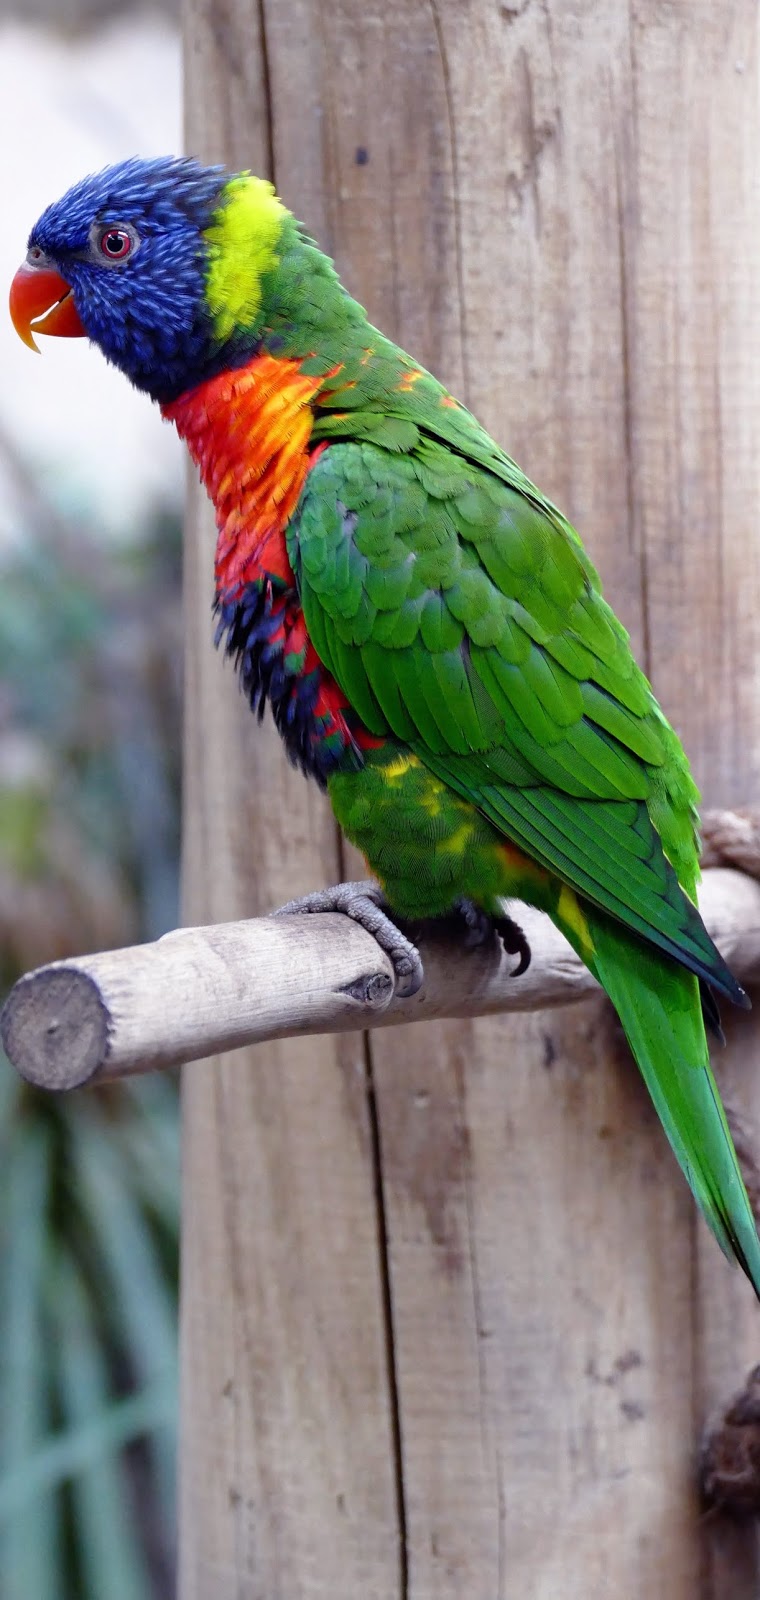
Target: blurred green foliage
<point>90,673</point>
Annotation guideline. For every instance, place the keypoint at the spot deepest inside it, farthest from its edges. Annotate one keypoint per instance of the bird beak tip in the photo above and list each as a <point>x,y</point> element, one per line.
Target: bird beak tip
<point>41,301</point>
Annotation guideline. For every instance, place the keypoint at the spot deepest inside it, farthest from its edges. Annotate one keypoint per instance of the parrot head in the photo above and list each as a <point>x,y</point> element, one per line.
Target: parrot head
<point>163,264</point>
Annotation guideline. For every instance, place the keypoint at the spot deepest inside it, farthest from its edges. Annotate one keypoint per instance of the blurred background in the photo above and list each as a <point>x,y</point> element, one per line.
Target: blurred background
<point>90,710</point>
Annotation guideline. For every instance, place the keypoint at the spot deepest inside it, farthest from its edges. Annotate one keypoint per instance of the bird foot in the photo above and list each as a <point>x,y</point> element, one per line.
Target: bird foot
<point>480,927</point>
<point>364,903</point>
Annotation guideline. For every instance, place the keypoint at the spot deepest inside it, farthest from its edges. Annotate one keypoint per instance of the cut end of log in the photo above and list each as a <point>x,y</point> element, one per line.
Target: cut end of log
<point>55,1027</point>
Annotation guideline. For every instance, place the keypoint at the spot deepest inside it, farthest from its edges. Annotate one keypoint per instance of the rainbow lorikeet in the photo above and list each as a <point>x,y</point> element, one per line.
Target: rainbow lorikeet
<point>424,623</point>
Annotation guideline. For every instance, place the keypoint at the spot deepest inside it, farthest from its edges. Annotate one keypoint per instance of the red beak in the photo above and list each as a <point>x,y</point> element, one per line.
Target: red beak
<point>41,301</point>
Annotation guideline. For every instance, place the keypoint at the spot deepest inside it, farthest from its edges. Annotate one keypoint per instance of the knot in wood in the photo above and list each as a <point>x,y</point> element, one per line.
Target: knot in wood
<point>730,1465</point>
<point>372,989</point>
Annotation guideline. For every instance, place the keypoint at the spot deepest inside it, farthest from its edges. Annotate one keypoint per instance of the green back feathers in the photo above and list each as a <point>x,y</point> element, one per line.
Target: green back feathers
<point>458,616</point>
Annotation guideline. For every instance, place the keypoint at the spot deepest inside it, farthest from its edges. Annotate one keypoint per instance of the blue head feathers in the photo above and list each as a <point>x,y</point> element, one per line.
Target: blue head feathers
<point>179,271</point>
<point>130,242</point>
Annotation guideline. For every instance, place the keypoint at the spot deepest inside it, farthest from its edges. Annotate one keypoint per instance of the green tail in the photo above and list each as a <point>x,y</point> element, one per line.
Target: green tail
<point>659,1007</point>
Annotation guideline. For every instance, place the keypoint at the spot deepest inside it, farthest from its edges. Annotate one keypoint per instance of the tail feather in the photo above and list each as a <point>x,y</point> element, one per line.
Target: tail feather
<point>658,1004</point>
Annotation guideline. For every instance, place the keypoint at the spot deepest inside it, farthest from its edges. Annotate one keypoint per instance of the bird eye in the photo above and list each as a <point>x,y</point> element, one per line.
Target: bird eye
<point>111,243</point>
<point>115,243</point>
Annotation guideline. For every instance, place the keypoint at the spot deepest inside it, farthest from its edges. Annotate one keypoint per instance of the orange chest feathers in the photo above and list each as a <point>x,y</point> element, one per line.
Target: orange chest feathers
<point>248,432</point>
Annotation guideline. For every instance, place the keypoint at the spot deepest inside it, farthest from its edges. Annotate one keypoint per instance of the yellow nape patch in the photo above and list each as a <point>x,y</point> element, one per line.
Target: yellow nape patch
<point>242,241</point>
<point>570,913</point>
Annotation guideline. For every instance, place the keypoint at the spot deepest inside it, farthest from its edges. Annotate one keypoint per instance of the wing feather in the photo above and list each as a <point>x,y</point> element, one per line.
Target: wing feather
<point>458,611</point>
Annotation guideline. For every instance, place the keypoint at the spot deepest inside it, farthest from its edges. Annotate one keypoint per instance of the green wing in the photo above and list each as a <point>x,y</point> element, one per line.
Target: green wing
<point>458,611</point>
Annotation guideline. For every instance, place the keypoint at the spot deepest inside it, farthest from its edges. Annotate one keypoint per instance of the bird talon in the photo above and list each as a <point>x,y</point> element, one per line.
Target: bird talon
<point>364,903</point>
<point>514,942</point>
<point>480,928</point>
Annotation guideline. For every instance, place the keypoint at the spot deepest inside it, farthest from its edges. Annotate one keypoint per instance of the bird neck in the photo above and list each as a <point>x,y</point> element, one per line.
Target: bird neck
<point>248,432</point>
<point>305,312</point>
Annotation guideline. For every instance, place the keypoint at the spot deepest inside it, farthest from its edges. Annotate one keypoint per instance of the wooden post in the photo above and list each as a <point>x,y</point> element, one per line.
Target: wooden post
<point>450,1325</point>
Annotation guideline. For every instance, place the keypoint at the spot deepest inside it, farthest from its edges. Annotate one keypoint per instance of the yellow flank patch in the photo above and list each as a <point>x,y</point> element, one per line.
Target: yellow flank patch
<point>431,799</point>
<point>457,842</point>
<point>394,770</point>
<point>569,912</point>
<point>242,240</point>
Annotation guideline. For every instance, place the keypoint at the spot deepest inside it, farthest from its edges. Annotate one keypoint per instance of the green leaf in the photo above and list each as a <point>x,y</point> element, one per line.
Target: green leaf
<point>81,1448</point>
<point>30,1554</point>
<point>141,1301</point>
<point>110,1553</point>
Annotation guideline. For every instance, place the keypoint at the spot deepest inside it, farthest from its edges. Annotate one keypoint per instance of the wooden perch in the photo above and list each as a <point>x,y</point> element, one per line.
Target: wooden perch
<point>199,991</point>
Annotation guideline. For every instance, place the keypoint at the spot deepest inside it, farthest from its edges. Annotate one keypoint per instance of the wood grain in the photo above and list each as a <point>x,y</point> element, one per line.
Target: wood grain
<point>287,1462</point>
<point>553,203</point>
<point>696,437</point>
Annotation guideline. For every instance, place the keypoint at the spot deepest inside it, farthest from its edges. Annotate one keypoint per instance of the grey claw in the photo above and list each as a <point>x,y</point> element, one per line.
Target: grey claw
<point>480,927</point>
<point>514,942</point>
<point>364,903</point>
